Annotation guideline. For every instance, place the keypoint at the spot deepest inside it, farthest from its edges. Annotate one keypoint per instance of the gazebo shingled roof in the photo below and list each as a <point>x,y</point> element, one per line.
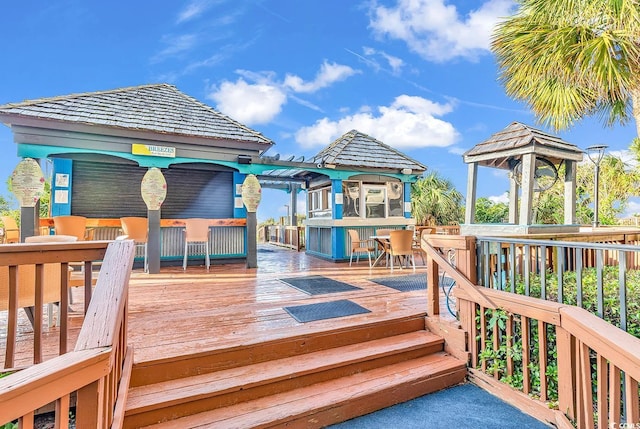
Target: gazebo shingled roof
<point>158,108</point>
<point>357,149</point>
<point>517,139</point>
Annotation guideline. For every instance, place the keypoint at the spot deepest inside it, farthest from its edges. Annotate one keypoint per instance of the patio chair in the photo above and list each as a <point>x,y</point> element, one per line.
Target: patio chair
<point>11,230</point>
<point>73,225</point>
<point>196,233</point>
<point>417,238</point>
<point>359,246</point>
<point>137,229</point>
<point>401,241</point>
<point>383,246</point>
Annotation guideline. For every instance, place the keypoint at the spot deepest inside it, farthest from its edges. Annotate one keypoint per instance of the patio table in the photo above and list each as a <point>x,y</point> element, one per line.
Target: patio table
<point>383,242</point>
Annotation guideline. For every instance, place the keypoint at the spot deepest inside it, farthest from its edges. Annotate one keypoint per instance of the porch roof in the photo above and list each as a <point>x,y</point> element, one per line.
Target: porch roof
<point>156,108</point>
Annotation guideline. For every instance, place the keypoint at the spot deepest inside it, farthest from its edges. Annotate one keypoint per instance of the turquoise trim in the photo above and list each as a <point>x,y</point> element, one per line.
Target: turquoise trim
<point>238,179</point>
<point>407,198</point>
<point>61,166</point>
<point>336,188</point>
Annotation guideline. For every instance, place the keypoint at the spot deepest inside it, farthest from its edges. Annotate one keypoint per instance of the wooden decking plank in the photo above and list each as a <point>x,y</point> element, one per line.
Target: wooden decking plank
<point>375,387</point>
<point>242,378</point>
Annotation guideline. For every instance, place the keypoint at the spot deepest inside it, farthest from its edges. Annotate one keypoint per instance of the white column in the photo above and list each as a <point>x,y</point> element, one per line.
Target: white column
<point>570,193</point>
<point>526,202</point>
<point>513,200</point>
<point>472,179</point>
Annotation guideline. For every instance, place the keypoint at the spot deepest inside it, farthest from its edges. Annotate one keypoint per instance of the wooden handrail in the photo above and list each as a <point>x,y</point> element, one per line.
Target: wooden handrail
<point>94,370</point>
<point>580,335</point>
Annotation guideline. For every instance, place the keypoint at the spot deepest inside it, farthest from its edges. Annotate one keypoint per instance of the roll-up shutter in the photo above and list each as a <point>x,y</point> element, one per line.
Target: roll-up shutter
<point>105,190</point>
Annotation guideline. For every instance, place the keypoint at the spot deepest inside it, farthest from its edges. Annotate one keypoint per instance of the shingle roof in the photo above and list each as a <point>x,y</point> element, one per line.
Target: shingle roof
<point>518,136</point>
<point>159,108</point>
<point>358,149</point>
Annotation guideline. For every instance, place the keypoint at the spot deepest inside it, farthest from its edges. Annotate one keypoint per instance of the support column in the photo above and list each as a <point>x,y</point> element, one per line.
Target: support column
<point>570,193</point>
<point>513,200</point>
<point>526,202</point>
<point>472,180</point>
<point>293,203</point>
<point>28,220</point>
<point>153,241</point>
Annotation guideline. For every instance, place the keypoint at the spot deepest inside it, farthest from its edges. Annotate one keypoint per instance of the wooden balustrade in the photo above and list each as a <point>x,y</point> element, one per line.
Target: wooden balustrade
<point>95,374</point>
<point>39,273</point>
<point>557,353</point>
<point>287,236</point>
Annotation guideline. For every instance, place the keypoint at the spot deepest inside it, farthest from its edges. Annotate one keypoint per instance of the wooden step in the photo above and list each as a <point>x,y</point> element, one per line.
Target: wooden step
<point>337,400</point>
<point>207,361</point>
<point>175,398</point>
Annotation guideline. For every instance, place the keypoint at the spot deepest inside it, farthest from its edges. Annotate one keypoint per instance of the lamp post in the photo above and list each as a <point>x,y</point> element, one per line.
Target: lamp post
<point>596,153</point>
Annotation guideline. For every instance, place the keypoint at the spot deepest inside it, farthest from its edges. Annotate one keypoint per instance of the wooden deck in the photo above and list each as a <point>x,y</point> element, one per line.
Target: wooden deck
<point>178,312</point>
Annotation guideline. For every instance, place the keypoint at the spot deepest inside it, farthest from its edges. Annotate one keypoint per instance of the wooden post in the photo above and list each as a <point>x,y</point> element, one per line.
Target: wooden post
<point>566,367</point>
<point>433,290</point>
<point>153,243</point>
<point>570,192</point>
<point>526,202</point>
<point>28,221</point>
<point>252,246</point>
<point>472,182</point>
<point>90,408</point>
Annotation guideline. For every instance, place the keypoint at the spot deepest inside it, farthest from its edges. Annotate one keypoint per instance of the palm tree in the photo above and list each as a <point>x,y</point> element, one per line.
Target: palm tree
<point>569,59</point>
<point>435,201</point>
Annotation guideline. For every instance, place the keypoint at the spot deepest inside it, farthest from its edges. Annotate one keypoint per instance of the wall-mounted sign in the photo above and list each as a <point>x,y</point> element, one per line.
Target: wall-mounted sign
<point>251,193</point>
<point>153,150</point>
<point>62,180</point>
<point>153,188</point>
<point>61,196</point>
<point>27,182</point>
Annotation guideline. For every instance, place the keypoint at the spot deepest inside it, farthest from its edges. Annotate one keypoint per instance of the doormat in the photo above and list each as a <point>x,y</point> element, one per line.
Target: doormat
<point>404,283</point>
<point>325,310</point>
<point>318,285</point>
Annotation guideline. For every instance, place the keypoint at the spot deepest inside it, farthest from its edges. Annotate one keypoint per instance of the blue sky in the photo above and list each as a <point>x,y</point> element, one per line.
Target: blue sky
<point>415,74</point>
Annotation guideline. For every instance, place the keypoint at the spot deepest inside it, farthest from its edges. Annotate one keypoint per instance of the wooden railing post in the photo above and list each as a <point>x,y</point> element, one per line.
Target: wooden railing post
<point>89,406</point>
<point>466,259</point>
<point>566,373</point>
<point>433,294</point>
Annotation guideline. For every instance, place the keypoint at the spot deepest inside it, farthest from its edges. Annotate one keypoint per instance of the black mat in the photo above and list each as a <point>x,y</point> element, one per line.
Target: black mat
<point>317,285</point>
<point>325,310</point>
<point>404,283</point>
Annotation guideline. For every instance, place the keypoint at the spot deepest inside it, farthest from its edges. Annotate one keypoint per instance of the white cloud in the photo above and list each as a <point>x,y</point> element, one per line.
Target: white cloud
<point>328,74</point>
<point>247,103</point>
<point>504,198</point>
<point>193,10</point>
<point>257,97</point>
<point>409,122</point>
<point>176,45</point>
<point>436,31</point>
<point>394,62</point>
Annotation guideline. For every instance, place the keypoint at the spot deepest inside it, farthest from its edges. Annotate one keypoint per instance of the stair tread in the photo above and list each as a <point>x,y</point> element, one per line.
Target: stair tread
<point>308,400</point>
<point>171,392</point>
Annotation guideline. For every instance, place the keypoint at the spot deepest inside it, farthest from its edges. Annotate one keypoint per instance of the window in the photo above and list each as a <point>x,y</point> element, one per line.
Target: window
<point>351,194</point>
<point>320,203</point>
<point>381,200</point>
<point>375,197</point>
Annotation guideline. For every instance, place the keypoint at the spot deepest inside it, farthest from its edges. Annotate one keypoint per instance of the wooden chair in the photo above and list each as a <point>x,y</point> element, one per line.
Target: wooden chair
<point>11,230</point>
<point>73,225</point>
<point>137,229</point>
<point>401,244</point>
<point>359,246</point>
<point>196,233</point>
<point>384,246</point>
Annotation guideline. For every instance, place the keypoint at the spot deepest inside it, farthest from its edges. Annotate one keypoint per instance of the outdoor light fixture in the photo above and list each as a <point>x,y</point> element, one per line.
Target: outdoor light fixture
<point>406,171</point>
<point>596,153</point>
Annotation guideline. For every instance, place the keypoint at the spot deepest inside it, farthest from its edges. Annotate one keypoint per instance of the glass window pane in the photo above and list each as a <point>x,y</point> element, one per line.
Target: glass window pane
<point>351,201</point>
<point>375,201</point>
<point>396,199</point>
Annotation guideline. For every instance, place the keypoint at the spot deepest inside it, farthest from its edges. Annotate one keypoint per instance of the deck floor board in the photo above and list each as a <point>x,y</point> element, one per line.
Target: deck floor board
<point>177,312</point>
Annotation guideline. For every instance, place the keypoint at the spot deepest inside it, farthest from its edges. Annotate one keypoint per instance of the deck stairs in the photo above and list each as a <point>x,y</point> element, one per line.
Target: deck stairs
<point>305,381</point>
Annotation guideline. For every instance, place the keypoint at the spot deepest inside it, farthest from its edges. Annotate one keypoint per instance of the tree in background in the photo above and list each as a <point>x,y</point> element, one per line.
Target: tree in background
<point>488,211</point>
<point>435,201</point>
<point>569,59</point>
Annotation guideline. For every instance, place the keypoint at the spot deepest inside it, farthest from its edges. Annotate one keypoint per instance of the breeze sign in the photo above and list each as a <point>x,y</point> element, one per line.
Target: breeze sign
<point>153,150</point>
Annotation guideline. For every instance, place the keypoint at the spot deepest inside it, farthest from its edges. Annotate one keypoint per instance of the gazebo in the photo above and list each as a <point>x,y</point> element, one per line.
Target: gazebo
<point>532,156</point>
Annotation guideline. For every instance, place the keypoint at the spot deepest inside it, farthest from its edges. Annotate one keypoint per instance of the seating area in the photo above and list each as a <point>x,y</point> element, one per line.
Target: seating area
<point>196,234</point>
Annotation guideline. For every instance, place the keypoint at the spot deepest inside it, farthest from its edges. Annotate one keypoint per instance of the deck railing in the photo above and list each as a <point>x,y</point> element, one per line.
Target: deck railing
<point>594,276</point>
<point>37,274</point>
<point>288,236</point>
<point>94,376</point>
<point>580,369</point>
